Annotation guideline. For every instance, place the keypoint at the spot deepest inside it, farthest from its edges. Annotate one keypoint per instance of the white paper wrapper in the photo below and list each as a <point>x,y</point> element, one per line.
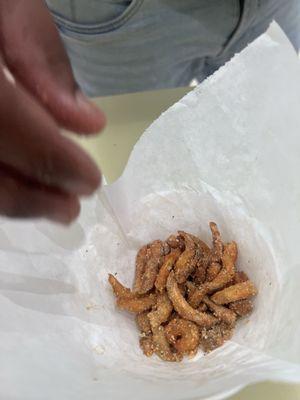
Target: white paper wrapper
<point>230,152</point>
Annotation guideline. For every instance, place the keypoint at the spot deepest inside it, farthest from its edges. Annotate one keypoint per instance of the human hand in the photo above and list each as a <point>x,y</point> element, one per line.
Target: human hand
<point>42,173</point>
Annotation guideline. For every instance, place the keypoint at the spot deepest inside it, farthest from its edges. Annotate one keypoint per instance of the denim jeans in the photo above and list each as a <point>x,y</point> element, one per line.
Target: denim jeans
<point>120,46</point>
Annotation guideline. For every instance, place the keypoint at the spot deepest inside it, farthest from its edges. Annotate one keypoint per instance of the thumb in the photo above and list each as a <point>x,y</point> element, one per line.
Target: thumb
<point>34,52</point>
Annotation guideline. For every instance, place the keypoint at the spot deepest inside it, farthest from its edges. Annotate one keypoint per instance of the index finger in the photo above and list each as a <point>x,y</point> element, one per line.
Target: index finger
<point>32,144</point>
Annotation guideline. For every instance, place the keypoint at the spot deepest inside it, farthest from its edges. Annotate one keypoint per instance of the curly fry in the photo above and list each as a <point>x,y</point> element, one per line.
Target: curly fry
<point>220,312</point>
<point>203,247</point>
<point>140,265</point>
<point>199,275</point>
<point>203,255</point>
<point>146,271</point>
<point>189,241</point>
<point>239,291</point>
<point>212,271</point>
<point>143,322</point>
<point>194,241</point>
<point>191,288</point>
<point>201,269</point>
<point>225,275</point>
<point>166,248</point>
<point>161,346</point>
<point>185,265</point>
<point>138,304</point>
<point>211,338</point>
<point>119,289</point>
<point>162,276</point>
<point>127,300</point>
<point>203,261</point>
<point>242,307</point>
<point>239,277</point>
<point>182,288</point>
<point>217,242</point>
<point>163,311</point>
<point>147,345</point>
<point>227,272</point>
<point>182,334</point>
<point>189,259</point>
<point>182,306</point>
<point>176,242</point>
<point>196,296</point>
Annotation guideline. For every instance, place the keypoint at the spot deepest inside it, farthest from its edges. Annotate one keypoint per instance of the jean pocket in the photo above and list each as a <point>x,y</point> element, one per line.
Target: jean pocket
<point>83,30</point>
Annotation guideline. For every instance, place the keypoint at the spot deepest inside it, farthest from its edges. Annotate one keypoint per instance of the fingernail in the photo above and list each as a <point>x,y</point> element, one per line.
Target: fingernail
<point>96,118</point>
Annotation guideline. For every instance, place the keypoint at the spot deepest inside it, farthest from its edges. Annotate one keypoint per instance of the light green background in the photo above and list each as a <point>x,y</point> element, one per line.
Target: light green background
<point>128,116</point>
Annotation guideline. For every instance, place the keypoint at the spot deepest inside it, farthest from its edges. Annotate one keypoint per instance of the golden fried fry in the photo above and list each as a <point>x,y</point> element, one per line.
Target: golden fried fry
<point>230,254</point>
<point>162,276</point>
<point>119,289</point>
<point>161,346</point>
<point>182,288</point>
<point>176,242</point>
<point>163,311</point>
<point>143,322</point>
<point>189,242</point>
<point>140,265</point>
<point>212,271</point>
<point>154,260</point>
<point>239,291</point>
<point>138,304</point>
<point>217,243</point>
<point>203,255</point>
<point>191,289</point>
<point>242,307</point>
<point>225,275</point>
<point>197,295</point>
<point>240,276</point>
<point>211,338</point>
<point>150,264</point>
<point>166,248</point>
<point>188,260</point>
<point>183,335</point>
<point>182,306</point>
<point>185,265</point>
<point>194,242</point>
<point>201,269</point>
<point>220,312</point>
<point>147,345</point>
<point>227,272</point>
<point>203,247</point>
<point>199,275</point>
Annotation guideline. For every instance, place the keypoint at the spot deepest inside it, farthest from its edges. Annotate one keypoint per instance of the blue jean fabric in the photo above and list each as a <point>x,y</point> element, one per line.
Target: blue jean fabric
<point>121,46</point>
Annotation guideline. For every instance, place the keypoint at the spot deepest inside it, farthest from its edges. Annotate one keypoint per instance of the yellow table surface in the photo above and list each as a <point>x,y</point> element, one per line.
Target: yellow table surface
<point>128,116</point>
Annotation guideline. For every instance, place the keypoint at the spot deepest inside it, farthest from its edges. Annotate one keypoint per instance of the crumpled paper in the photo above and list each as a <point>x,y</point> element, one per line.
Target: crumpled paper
<point>229,152</point>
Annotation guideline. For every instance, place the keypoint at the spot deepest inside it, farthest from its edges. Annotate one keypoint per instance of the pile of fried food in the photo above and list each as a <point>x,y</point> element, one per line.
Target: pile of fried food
<point>186,295</point>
